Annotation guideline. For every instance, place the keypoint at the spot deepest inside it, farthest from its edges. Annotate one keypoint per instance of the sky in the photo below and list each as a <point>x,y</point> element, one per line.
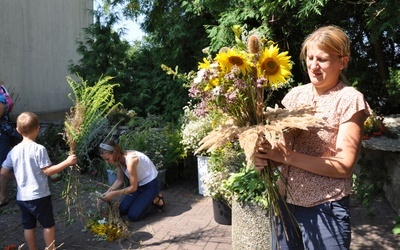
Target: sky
<point>132,29</point>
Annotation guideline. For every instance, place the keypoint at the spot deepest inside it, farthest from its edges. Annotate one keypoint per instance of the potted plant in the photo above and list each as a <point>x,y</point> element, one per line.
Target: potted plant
<point>222,162</point>
<point>195,126</point>
<point>111,174</point>
<point>251,209</point>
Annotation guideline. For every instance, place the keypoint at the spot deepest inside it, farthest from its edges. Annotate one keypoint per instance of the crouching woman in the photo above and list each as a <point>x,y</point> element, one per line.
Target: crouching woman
<point>142,194</point>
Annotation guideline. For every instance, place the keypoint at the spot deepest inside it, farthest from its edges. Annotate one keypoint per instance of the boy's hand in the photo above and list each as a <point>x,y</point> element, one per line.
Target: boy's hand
<point>72,159</point>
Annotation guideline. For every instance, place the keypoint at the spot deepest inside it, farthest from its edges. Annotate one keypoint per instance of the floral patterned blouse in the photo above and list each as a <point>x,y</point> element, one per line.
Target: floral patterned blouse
<point>336,106</point>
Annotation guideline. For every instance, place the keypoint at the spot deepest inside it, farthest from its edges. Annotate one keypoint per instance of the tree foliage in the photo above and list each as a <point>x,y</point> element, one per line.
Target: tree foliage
<point>177,31</point>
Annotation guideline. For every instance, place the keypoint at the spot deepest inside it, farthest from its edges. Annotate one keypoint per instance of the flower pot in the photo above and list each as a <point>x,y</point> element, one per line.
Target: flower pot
<point>222,212</point>
<point>161,177</point>
<point>251,226</point>
<point>112,176</point>
<point>202,166</point>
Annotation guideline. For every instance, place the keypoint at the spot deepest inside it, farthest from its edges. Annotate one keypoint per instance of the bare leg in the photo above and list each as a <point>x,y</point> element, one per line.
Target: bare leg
<point>30,238</point>
<point>49,238</point>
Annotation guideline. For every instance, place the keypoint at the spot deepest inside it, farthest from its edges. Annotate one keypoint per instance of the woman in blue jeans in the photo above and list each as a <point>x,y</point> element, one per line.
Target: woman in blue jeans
<point>317,164</point>
<point>143,191</point>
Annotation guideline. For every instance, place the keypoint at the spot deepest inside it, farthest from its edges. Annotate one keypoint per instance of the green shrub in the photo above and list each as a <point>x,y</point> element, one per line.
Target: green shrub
<point>160,142</point>
<point>51,137</point>
<point>248,186</point>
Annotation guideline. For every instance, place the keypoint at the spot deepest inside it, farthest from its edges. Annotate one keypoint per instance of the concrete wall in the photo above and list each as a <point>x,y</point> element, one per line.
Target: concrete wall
<point>388,164</point>
<point>37,41</point>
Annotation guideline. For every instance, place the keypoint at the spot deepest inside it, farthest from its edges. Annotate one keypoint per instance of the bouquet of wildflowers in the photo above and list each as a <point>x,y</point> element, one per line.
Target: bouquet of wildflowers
<point>236,79</point>
<point>238,83</point>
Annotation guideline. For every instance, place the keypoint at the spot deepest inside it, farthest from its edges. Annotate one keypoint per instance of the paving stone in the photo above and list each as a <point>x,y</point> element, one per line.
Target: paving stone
<point>188,223</point>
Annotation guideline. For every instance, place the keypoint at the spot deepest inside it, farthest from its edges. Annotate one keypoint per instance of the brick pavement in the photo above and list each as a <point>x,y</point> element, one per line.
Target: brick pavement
<point>187,224</point>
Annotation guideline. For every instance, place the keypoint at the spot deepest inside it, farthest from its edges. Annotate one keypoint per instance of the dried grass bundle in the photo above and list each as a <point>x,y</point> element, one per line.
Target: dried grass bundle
<point>278,121</point>
<point>105,222</point>
<point>91,105</point>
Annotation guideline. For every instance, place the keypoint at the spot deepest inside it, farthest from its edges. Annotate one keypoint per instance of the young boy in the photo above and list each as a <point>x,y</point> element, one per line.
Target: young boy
<point>31,166</point>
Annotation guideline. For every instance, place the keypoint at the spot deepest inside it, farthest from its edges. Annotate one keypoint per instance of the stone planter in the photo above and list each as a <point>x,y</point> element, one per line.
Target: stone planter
<point>202,168</point>
<point>251,227</point>
<point>222,212</point>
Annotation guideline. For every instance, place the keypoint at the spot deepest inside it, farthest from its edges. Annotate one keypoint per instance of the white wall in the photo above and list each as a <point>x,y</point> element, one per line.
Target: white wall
<point>37,41</point>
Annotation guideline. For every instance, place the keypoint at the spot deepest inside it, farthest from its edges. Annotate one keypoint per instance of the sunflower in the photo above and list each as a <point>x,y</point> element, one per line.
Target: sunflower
<point>233,57</point>
<point>274,66</point>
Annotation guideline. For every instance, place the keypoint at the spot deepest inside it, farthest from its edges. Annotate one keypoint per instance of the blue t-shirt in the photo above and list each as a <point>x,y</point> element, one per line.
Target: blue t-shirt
<point>4,117</point>
<point>3,99</point>
<point>27,160</point>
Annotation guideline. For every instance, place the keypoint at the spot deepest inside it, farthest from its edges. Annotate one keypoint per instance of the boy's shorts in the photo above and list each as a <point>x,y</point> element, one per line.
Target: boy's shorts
<point>37,210</point>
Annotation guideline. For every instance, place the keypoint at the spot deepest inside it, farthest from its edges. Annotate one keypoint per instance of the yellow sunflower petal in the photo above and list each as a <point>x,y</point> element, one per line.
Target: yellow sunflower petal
<point>205,64</point>
<point>227,60</point>
<point>274,66</point>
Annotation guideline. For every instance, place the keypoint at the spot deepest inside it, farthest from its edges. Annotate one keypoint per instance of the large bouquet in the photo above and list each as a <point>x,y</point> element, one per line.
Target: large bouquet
<point>237,78</point>
<point>238,82</point>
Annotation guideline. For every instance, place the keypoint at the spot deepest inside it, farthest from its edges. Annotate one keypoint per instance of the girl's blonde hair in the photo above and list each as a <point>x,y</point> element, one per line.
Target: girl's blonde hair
<point>332,40</point>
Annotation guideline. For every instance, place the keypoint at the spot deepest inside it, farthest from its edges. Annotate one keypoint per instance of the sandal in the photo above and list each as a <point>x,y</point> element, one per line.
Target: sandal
<point>161,208</point>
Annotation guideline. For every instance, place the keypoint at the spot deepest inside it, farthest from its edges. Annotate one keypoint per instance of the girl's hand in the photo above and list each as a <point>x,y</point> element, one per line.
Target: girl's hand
<point>109,195</point>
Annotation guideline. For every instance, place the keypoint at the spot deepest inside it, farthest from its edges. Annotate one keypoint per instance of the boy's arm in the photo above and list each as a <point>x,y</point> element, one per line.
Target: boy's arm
<point>6,173</point>
<point>54,169</point>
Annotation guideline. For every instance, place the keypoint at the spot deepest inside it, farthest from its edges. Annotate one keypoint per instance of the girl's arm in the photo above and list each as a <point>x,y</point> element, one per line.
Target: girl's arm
<point>119,181</point>
<point>131,165</point>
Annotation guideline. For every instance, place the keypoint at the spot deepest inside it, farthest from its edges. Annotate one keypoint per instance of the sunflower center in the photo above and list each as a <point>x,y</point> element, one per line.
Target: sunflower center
<point>236,60</point>
<point>270,67</point>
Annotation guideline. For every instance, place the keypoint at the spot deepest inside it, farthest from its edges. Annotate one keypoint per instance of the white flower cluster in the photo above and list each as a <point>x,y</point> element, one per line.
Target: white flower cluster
<point>102,221</point>
<point>194,130</point>
<point>213,185</point>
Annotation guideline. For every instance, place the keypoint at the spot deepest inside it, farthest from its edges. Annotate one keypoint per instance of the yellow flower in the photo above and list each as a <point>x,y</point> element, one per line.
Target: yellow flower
<point>274,66</point>
<point>205,64</point>
<point>211,84</point>
<point>232,57</point>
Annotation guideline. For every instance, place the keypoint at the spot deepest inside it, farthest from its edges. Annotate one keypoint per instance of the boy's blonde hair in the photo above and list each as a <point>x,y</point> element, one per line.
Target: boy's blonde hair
<point>27,122</point>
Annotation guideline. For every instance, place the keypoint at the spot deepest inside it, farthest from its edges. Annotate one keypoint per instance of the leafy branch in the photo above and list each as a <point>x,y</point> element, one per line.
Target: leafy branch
<point>86,120</point>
